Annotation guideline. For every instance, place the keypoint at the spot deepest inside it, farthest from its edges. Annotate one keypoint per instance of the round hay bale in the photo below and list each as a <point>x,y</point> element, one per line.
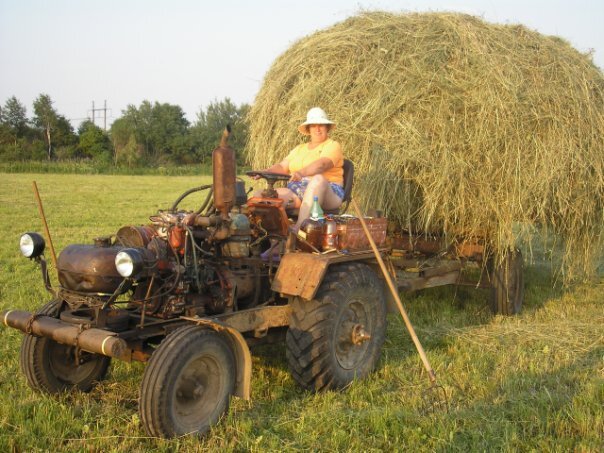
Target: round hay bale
<point>453,124</point>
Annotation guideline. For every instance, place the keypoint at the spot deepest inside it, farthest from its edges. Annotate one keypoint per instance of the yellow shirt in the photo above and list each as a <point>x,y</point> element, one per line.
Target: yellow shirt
<point>301,156</point>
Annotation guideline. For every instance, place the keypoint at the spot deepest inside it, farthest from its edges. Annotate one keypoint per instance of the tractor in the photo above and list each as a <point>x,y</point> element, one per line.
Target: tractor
<point>190,294</point>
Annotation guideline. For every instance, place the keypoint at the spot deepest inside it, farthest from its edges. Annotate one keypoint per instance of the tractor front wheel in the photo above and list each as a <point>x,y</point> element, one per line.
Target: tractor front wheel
<point>188,383</point>
<point>52,367</point>
<point>338,336</point>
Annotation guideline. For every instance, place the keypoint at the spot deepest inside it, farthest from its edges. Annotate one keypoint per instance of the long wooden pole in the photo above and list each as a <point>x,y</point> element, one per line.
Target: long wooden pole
<point>394,291</point>
<point>46,230</point>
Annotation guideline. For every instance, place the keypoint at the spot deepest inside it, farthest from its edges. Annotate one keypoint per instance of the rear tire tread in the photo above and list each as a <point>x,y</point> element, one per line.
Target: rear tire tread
<point>310,351</point>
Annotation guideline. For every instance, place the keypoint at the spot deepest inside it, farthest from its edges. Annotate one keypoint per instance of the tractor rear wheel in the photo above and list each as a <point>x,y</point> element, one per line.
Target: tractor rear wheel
<point>507,280</point>
<point>338,336</point>
<point>188,383</point>
<point>52,367</point>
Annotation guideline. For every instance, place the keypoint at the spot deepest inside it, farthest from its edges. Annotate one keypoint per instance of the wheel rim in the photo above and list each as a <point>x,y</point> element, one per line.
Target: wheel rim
<point>198,392</point>
<point>349,351</point>
<point>62,363</point>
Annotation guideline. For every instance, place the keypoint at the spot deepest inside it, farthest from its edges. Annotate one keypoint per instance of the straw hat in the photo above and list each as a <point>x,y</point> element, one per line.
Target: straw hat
<point>316,115</point>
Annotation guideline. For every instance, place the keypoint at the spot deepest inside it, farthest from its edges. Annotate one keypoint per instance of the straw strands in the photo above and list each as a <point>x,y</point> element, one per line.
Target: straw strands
<point>453,124</point>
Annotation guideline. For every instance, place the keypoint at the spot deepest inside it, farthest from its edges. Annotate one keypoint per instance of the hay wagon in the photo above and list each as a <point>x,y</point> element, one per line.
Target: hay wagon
<point>428,261</point>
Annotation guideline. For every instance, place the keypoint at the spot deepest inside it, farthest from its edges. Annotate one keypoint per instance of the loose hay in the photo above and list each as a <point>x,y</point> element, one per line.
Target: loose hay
<point>453,124</point>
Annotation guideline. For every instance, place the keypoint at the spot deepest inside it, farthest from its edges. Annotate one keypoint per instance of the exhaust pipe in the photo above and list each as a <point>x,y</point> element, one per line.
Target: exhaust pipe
<point>93,340</point>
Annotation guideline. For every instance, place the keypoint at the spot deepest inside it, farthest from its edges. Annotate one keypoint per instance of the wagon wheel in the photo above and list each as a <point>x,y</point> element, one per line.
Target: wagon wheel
<point>338,336</point>
<point>188,383</point>
<point>52,367</point>
<point>507,280</point>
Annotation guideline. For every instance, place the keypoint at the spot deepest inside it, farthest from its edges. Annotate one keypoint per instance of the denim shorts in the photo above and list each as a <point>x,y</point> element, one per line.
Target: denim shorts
<point>299,187</point>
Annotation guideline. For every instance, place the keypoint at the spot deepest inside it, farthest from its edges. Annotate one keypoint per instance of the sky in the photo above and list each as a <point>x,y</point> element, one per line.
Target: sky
<point>194,52</point>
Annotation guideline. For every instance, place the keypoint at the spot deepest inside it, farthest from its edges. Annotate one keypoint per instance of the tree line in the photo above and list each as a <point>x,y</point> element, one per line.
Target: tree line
<point>152,134</point>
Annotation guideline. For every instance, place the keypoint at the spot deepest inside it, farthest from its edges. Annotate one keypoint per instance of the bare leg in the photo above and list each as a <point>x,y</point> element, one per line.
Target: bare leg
<point>290,199</point>
<point>317,186</point>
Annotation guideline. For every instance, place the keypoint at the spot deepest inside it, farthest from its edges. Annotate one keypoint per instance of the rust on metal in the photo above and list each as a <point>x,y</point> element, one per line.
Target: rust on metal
<point>359,335</point>
<point>257,319</point>
<point>418,243</point>
<point>93,340</point>
<point>225,174</point>
<point>417,283</point>
<point>89,268</point>
<point>470,250</point>
<point>268,214</point>
<point>135,236</point>
<point>300,274</point>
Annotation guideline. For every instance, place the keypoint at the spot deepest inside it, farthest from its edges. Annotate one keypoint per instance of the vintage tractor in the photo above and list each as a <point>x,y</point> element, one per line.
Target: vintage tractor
<point>190,293</point>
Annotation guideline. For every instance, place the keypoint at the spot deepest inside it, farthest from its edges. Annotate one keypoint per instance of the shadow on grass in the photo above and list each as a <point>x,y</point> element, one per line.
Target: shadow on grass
<point>530,409</point>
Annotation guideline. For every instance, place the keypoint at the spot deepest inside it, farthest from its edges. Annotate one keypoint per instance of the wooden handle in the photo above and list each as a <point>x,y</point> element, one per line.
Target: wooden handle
<point>46,230</point>
<point>394,292</point>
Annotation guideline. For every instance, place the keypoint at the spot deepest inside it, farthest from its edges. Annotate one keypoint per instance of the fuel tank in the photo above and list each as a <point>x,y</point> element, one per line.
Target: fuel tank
<point>88,268</point>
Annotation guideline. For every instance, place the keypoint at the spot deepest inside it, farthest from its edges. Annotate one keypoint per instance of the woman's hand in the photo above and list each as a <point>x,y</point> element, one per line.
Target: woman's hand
<point>296,176</point>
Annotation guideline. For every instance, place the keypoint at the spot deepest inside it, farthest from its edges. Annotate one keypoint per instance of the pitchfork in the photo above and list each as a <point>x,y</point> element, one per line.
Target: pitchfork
<point>435,397</point>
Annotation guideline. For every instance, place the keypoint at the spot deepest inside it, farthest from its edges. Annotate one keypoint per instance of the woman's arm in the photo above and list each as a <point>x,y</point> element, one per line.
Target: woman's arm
<point>281,167</point>
<point>315,168</point>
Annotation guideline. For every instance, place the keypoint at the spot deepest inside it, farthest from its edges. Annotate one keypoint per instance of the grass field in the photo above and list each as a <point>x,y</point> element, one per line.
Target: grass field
<point>534,382</point>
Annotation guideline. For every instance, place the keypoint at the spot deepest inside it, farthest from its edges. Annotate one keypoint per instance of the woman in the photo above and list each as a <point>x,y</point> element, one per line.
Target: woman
<point>316,168</point>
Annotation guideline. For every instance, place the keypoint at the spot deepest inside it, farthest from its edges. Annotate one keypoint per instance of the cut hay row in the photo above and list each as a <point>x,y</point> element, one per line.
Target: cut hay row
<point>453,124</point>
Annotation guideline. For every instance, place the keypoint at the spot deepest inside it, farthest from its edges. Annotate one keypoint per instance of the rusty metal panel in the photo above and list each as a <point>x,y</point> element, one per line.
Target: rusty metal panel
<point>260,318</point>
<point>300,274</point>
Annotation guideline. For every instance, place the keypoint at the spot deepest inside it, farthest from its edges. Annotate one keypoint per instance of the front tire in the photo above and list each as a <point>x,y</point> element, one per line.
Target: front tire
<point>51,367</point>
<point>507,280</point>
<point>188,383</point>
<point>338,336</point>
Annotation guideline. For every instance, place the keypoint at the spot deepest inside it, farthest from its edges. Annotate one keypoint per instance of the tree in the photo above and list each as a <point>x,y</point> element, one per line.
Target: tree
<point>207,130</point>
<point>45,118</point>
<point>121,132</point>
<point>161,130</point>
<point>14,117</point>
<point>93,142</point>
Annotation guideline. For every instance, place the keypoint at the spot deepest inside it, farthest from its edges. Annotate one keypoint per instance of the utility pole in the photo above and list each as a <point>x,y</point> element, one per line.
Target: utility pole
<point>104,110</point>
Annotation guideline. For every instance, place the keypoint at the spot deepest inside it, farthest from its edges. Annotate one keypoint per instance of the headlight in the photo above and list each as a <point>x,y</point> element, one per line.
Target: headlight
<point>129,262</point>
<point>32,245</point>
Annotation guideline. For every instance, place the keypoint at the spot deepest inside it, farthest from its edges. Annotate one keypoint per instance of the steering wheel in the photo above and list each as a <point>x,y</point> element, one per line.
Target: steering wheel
<point>268,175</point>
<point>271,179</point>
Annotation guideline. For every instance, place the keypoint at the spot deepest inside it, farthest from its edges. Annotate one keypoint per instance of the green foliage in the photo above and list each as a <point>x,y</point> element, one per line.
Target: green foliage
<point>161,130</point>
<point>45,118</point>
<point>93,142</point>
<point>150,135</point>
<point>210,124</point>
<point>92,167</point>
<point>54,128</point>
<point>14,117</point>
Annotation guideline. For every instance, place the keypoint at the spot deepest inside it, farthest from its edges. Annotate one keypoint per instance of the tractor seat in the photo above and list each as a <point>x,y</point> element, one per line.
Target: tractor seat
<point>348,168</point>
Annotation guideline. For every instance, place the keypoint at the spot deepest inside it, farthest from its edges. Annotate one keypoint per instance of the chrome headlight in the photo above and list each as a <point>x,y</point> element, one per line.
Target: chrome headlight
<point>129,262</point>
<point>32,245</point>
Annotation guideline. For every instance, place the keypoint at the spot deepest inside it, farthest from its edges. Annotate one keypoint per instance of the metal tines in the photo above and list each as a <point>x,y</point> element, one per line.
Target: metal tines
<point>435,400</point>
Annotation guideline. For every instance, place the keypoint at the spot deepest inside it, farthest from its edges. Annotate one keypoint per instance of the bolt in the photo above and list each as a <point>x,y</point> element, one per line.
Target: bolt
<point>359,335</point>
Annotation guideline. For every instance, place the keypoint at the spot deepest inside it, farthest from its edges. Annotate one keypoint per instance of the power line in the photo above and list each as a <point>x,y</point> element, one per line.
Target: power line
<point>104,110</point>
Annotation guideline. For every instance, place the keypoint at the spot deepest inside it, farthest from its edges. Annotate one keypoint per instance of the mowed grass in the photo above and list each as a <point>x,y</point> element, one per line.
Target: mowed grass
<point>529,382</point>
